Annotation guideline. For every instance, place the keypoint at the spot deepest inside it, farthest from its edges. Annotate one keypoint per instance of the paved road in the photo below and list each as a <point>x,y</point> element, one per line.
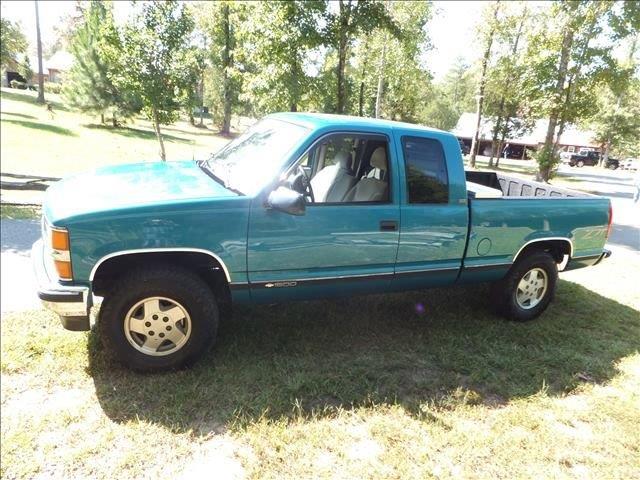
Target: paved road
<point>18,284</point>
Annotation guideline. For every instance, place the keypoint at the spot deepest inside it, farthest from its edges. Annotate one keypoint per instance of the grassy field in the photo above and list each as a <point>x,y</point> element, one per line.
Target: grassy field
<point>359,388</point>
<point>34,143</point>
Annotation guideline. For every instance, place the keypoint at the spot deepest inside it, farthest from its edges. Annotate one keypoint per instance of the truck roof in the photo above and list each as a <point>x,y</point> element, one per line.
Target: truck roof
<point>317,120</point>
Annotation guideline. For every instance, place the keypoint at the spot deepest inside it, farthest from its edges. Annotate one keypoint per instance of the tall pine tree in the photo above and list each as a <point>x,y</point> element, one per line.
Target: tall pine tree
<point>90,85</point>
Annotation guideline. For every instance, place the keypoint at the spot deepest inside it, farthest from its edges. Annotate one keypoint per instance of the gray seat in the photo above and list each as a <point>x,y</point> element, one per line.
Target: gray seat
<point>332,183</point>
<point>374,186</point>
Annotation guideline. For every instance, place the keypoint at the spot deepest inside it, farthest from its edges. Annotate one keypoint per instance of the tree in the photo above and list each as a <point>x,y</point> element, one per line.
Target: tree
<point>490,26</point>
<point>451,97</point>
<point>616,123</point>
<point>90,84</point>
<point>281,36</point>
<point>220,22</point>
<point>394,83</point>
<point>39,46</point>
<point>12,42</point>
<point>353,17</point>
<point>616,120</point>
<point>25,70</point>
<point>157,57</point>
<point>565,68</point>
<point>505,99</point>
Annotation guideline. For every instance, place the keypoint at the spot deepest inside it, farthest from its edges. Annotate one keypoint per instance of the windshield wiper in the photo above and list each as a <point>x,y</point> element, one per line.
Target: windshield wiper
<point>204,165</point>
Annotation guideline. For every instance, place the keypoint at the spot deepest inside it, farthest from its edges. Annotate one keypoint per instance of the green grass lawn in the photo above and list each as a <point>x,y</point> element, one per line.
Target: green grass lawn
<point>34,143</point>
<point>358,388</point>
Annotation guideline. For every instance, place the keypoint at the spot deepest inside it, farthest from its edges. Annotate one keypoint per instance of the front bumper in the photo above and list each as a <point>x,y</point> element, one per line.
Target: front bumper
<point>72,303</point>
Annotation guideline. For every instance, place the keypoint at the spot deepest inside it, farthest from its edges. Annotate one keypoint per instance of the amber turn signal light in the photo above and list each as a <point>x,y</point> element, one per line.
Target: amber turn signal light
<point>59,239</point>
<point>63,269</point>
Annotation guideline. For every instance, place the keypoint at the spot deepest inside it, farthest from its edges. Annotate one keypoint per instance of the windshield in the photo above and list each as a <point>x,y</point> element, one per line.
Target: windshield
<point>249,162</point>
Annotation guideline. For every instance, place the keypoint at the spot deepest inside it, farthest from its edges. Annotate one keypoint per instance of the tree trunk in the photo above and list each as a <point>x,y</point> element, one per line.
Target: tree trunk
<point>345,13</point>
<point>202,101</point>
<point>545,167</point>
<point>362,74</point>
<point>607,149</point>
<point>156,127</point>
<point>503,135</point>
<point>502,130</point>
<point>381,78</point>
<point>226,65</point>
<point>114,119</point>
<point>483,80</point>
<point>102,117</point>
<point>39,46</point>
<point>496,132</point>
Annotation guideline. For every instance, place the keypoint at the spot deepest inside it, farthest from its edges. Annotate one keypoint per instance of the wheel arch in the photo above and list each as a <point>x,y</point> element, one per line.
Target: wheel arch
<point>205,263</point>
<point>557,246</point>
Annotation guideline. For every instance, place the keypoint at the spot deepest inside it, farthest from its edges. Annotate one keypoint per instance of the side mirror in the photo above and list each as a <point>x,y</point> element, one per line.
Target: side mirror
<point>287,201</point>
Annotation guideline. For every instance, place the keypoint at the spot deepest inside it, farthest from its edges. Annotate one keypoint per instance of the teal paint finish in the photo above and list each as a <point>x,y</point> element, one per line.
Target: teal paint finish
<point>432,236</point>
<point>329,241</point>
<point>218,226</point>
<point>512,222</point>
<point>120,187</point>
<point>332,250</point>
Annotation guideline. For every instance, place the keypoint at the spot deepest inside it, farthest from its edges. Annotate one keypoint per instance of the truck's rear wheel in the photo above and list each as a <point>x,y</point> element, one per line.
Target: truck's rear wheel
<point>528,287</point>
<point>158,318</point>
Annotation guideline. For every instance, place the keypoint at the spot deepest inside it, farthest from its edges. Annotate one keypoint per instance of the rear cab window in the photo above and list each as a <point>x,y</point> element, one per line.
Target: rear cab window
<point>426,170</point>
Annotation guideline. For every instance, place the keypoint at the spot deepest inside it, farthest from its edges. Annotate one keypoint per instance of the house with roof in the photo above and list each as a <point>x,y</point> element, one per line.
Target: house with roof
<point>522,142</point>
<point>53,69</point>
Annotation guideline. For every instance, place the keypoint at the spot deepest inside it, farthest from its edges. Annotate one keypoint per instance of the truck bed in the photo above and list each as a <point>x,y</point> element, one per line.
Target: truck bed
<point>518,187</point>
<point>529,211</point>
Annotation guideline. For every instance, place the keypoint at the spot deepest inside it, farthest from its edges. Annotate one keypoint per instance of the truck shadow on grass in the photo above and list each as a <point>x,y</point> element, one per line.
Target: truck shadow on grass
<point>310,359</point>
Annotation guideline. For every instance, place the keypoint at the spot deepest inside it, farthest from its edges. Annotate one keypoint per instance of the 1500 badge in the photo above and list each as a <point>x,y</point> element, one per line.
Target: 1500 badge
<point>280,284</point>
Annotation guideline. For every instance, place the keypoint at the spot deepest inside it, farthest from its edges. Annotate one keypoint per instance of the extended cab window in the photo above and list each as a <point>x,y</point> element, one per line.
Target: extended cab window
<point>427,180</point>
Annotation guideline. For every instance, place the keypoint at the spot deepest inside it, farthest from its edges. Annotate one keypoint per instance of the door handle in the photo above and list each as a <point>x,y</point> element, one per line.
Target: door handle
<point>388,225</point>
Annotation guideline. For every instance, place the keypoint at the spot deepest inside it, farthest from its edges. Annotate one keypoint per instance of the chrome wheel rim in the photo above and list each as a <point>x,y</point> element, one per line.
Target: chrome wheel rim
<point>157,326</point>
<point>532,288</point>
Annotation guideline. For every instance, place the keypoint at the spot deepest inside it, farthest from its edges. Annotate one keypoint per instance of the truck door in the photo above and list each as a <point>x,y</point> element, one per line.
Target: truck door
<point>434,212</point>
<point>347,240</point>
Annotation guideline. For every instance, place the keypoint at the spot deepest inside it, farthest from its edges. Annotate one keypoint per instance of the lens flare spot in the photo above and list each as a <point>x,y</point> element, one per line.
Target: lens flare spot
<point>420,309</point>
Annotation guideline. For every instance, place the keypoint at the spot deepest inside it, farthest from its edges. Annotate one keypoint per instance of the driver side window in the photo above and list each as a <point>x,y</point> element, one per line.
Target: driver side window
<point>348,168</point>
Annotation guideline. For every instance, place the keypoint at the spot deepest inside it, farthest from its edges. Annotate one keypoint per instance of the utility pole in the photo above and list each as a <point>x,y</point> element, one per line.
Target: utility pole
<point>40,73</point>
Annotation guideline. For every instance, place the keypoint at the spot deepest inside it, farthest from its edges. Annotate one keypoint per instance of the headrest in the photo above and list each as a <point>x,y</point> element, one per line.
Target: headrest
<point>343,159</point>
<point>379,158</point>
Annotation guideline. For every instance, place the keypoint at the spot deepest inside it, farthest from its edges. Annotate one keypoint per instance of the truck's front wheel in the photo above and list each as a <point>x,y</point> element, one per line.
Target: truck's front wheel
<point>528,287</point>
<point>158,318</point>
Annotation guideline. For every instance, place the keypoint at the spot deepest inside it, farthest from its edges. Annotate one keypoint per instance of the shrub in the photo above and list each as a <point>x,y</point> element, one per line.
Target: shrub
<point>53,88</point>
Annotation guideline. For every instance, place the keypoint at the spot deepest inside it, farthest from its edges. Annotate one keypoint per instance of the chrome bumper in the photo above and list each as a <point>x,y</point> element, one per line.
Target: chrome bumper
<point>71,303</point>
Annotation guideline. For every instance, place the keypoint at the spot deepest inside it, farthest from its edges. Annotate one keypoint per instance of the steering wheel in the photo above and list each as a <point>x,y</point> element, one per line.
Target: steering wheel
<point>305,183</point>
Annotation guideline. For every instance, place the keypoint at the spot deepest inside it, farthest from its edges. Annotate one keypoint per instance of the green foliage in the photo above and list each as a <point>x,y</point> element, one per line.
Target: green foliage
<point>12,42</point>
<point>281,38</point>
<point>222,24</point>
<point>52,87</point>
<point>158,61</point>
<point>342,27</point>
<point>91,85</point>
<point>25,70</point>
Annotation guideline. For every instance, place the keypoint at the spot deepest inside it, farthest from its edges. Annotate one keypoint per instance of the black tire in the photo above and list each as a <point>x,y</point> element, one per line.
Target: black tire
<point>504,292</point>
<point>176,284</point>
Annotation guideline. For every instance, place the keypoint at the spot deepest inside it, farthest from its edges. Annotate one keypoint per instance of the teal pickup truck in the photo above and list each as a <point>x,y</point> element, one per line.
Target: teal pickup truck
<point>300,206</point>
